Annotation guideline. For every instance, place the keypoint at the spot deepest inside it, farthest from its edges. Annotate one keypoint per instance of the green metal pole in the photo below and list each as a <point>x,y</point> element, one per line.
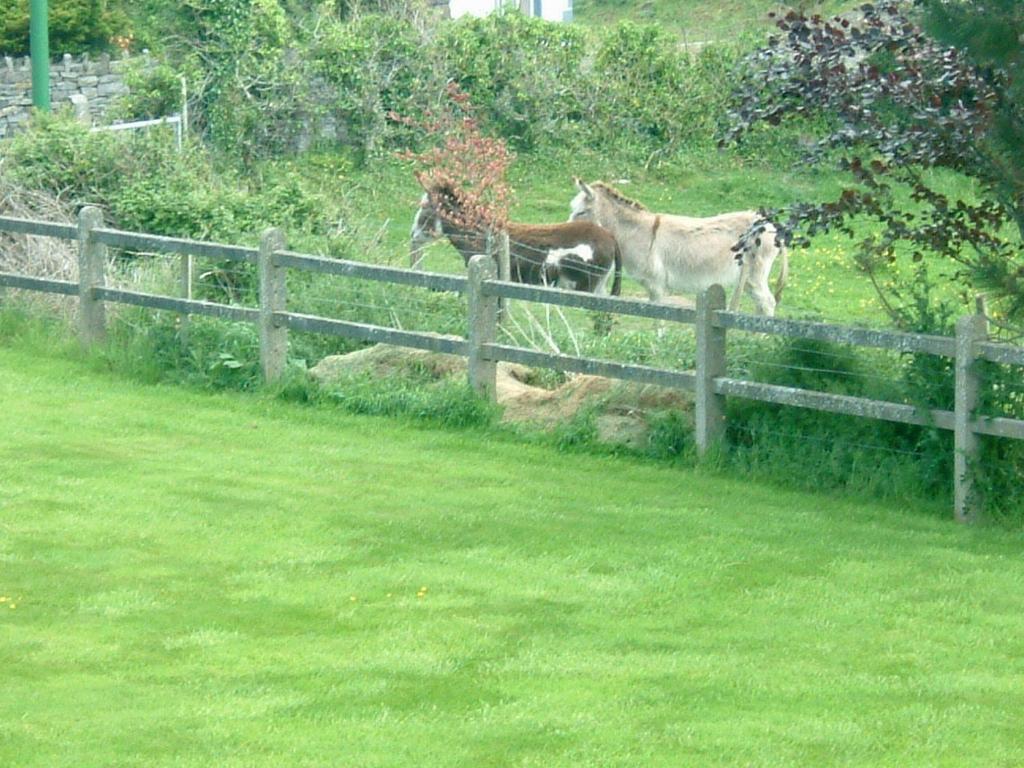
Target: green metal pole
<point>39,49</point>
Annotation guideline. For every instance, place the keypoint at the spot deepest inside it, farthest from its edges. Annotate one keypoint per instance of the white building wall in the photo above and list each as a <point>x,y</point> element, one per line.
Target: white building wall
<point>472,7</point>
<point>550,10</point>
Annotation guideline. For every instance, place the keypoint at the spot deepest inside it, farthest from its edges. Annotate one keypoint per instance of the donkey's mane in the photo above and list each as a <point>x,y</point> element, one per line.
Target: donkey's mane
<point>618,197</point>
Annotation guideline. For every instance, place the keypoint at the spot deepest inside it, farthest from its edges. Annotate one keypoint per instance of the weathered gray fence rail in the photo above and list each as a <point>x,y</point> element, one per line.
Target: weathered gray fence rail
<point>484,293</point>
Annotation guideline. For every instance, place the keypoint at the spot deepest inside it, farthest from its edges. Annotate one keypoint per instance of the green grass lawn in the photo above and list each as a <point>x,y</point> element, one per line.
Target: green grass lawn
<point>697,21</point>
<point>200,580</point>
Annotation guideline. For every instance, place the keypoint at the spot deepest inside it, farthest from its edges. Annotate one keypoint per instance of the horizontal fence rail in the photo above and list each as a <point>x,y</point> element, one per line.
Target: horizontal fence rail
<point>842,404</point>
<point>861,337</point>
<point>484,292</point>
<point>999,426</point>
<point>43,285</point>
<point>1001,353</point>
<point>452,345</point>
<point>506,290</point>
<point>135,241</point>
<point>184,306</point>
<point>358,269</point>
<point>640,374</point>
<point>39,228</point>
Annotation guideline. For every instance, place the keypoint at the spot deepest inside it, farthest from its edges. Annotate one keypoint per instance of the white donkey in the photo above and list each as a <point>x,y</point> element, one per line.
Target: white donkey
<point>681,254</point>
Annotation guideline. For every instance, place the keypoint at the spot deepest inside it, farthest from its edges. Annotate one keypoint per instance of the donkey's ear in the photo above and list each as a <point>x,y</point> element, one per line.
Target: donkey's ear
<point>582,186</point>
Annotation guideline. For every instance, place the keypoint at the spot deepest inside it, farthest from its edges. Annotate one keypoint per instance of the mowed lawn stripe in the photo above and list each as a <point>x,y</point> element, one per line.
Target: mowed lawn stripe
<point>228,580</point>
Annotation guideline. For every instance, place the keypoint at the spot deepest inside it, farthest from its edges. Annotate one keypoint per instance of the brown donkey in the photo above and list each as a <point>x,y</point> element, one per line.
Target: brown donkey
<point>577,255</point>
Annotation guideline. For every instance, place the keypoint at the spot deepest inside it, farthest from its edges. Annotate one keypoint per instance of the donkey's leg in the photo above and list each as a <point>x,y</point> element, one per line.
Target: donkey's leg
<point>655,288</point>
<point>763,297</point>
<point>757,280</point>
<point>743,282</point>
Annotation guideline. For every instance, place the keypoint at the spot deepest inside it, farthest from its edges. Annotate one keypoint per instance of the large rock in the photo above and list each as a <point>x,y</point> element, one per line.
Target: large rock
<point>385,361</point>
<point>622,409</point>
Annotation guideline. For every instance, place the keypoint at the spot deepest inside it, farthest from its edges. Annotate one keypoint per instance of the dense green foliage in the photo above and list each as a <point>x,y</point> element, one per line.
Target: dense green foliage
<point>145,184</point>
<point>523,74</point>
<point>373,67</point>
<point>302,78</point>
<point>76,26</point>
<point>155,90</point>
<point>901,104</point>
<point>249,88</point>
<point>991,34</point>
<point>534,86</point>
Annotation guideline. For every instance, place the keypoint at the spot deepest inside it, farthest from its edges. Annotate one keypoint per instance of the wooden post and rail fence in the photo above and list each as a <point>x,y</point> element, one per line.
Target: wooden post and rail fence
<point>708,381</point>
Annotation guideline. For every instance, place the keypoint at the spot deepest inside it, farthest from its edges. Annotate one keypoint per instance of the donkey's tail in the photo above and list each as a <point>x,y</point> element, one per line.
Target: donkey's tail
<point>754,244</point>
<point>617,280</point>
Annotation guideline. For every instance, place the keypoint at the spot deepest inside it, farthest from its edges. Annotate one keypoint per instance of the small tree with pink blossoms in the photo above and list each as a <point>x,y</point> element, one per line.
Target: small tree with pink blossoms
<point>464,170</point>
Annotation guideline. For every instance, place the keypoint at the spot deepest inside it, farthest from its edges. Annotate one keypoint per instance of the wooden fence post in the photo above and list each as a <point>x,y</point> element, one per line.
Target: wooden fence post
<point>504,259</point>
<point>710,407</point>
<point>483,324</point>
<point>187,269</point>
<point>273,298</point>
<point>967,501</point>
<point>92,268</point>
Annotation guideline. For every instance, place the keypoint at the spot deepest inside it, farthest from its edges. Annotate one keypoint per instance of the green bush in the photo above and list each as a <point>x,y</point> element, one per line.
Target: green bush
<point>1001,464</point>
<point>207,353</point>
<point>817,449</point>
<point>59,155</point>
<point>523,74</point>
<point>374,65</point>
<point>267,83</point>
<point>251,99</point>
<point>144,183</point>
<point>76,26</point>
<point>154,91</point>
<point>651,97</point>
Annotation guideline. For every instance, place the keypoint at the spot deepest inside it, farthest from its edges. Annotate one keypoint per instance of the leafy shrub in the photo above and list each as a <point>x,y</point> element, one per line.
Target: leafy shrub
<point>76,26</point>
<point>642,77</point>
<point>145,184</point>
<point>374,65</point>
<point>152,347</point>
<point>1000,467</point>
<point>650,96</point>
<point>251,97</point>
<point>265,84</point>
<point>523,74</point>
<point>154,91</point>
<point>59,155</point>
<point>814,449</point>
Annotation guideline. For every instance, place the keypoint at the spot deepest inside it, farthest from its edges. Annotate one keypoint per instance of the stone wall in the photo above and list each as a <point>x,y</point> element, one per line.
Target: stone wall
<point>99,80</point>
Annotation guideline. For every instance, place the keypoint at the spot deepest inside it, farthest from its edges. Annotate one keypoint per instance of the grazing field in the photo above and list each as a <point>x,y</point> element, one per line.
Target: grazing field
<point>695,21</point>
<point>196,580</point>
<point>824,281</point>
